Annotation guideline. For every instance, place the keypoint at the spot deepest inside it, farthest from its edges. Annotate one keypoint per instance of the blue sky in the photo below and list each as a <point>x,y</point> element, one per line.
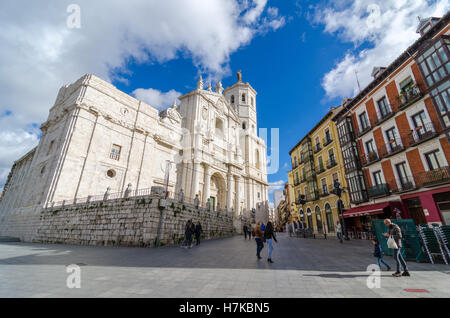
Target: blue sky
<point>299,55</point>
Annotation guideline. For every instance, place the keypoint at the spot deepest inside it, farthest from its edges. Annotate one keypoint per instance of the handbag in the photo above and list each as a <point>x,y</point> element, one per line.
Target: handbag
<point>391,243</point>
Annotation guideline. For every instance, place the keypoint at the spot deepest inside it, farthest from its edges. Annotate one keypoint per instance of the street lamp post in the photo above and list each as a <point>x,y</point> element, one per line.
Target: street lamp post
<point>338,192</point>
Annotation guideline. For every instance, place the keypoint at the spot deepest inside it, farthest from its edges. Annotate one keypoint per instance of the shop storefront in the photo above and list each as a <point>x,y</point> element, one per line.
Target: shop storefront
<point>429,206</point>
<point>358,220</point>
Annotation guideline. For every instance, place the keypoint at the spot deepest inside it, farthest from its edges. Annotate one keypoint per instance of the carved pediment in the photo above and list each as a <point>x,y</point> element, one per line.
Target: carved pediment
<point>172,115</point>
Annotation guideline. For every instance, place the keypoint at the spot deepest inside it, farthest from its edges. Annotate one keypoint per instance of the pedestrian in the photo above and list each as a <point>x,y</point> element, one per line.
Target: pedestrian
<point>249,229</point>
<point>339,231</point>
<point>198,232</point>
<point>187,235</point>
<point>394,236</point>
<point>263,227</point>
<point>269,235</point>
<point>378,253</point>
<point>245,229</point>
<point>192,233</point>
<point>259,239</point>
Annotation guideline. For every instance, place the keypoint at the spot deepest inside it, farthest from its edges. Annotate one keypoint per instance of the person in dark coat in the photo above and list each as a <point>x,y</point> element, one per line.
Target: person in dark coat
<point>245,229</point>
<point>188,234</point>
<point>396,233</point>
<point>198,232</point>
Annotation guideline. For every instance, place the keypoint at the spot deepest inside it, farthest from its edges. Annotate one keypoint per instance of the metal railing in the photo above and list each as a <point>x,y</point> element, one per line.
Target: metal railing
<point>331,163</point>
<point>409,96</point>
<point>327,141</point>
<point>434,177</point>
<point>381,117</point>
<point>379,190</point>
<point>422,133</point>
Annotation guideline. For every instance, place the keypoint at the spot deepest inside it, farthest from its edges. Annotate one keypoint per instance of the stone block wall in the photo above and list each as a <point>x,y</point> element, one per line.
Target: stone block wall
<point>121,222</point>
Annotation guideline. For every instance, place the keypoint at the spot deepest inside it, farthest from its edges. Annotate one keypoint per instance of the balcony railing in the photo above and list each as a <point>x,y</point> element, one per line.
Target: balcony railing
<point>326,141</point>
<point>318,148</point>
<point>381,117</point>
<point>364,130</point>
<point>379,190</point>
<point>423,133</point>
<point>406,184</point>
<point>409,97</point>
<point>435,177</point>
<point>370,158</point>
<point>320,169</point>
<point>312,196</point>
<point>394,146</point>
<point>324,193</point>
<point>358,197</point>
<point>331,163</point>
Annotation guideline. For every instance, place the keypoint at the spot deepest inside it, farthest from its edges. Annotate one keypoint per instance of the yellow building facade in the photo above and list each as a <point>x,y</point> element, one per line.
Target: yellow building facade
<point>316,163</point>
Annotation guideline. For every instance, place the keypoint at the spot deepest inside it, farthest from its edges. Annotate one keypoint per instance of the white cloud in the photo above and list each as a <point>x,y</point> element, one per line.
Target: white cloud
<point>386,30</point>
<point>277,185</point>
<point>39,53</point>
<point>156,98</point>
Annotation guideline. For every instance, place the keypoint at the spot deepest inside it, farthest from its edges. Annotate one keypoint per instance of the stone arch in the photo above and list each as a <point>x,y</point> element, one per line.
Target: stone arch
<point>329,217</point>
<point>218,190</point>
<point>319,221</point>
<point>309,217</point>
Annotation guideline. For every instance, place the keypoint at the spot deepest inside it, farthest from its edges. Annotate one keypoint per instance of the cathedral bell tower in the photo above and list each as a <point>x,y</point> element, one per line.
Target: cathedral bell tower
<point>242,98</point>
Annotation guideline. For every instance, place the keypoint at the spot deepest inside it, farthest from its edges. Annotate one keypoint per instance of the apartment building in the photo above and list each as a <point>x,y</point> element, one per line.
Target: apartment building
<point>316,164</point>
<point>394,135</point>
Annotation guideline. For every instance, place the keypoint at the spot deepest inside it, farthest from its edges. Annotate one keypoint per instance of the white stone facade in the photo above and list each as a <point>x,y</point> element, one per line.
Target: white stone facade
<point>97,137</point>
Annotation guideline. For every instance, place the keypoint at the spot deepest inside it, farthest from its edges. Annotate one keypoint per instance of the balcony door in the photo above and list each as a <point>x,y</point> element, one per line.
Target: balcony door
<point>392,139</point>
<point>421,123</point>
<point>384,107</point>
<point>402,175</point>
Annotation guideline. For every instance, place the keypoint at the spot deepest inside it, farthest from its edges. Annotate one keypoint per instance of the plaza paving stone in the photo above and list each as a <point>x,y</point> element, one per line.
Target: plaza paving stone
<point>218,268</point>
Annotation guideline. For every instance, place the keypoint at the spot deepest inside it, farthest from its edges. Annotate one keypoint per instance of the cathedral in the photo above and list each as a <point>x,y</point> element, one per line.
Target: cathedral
<point>98,139</point>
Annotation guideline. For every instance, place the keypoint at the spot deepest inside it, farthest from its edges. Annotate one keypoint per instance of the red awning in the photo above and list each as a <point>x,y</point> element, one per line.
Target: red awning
<point>366,210</point>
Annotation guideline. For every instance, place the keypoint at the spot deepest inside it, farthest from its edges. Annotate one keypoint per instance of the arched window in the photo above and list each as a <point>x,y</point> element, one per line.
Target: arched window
<point>295,162</point>
<point>329,215</point>
<point>219,127</point>
<point>232,99</point>
<point>243,98</point>
<point>310,222</point>
<point>301,215</point>
<point>244,126</point>
<point>318,220</point>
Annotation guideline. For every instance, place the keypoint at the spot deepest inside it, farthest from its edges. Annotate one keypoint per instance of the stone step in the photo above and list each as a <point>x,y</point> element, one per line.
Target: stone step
<point>4,239</point>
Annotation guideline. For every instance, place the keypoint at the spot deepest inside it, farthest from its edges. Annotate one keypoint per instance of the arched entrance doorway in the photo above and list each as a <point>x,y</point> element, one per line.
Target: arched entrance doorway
<point>218,191</point>
<point>318,220</point>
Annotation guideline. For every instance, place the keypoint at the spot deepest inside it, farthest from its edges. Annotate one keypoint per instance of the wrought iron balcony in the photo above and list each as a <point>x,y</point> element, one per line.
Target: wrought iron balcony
<point>358,197</point>
<point>326,141</point>
<point>320,169</point>
<point>331,163</point>
<point>423,133</point>
<point>318,148</point>
<point>363,131</point>
<point>381,117</point>
<point>435,177</point>
<point>324,193</point>
<point>394,146</point>
<point>406,184</point>
<point>411,95</point>
<point>370,158</point>
<point>312,196</point>
<point>379,190</point>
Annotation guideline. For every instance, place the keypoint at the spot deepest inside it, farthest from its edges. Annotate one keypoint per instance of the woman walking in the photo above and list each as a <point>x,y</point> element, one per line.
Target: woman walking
<point>269,235</point>
<point>259,239</point>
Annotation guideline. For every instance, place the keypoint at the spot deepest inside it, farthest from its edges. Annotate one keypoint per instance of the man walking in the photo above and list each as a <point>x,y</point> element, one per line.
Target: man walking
<point>395,233</point>
<point>245,229</point>
<point>198,232</point>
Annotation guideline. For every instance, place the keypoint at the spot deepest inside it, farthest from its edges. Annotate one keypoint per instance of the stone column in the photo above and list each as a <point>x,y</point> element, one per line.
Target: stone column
<point>230,191</point>
<point>196,177</point>
<point>237,208</point>
<point>207,184</point>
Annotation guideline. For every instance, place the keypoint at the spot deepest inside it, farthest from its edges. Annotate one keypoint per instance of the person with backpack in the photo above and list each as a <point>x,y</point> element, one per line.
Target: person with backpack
<point>378,253</point>
<point>269,235</point>
<point>394,236</point>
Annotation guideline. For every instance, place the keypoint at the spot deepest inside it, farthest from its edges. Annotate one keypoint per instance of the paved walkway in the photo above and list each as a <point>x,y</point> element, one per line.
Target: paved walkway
<point>220,268</point>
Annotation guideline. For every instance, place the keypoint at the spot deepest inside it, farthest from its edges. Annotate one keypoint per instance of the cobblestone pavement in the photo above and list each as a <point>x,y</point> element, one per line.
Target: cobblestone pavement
<point>220,268</point>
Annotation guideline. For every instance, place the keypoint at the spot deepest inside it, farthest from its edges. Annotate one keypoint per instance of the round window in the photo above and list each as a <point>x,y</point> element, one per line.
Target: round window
<point>111,173</point>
